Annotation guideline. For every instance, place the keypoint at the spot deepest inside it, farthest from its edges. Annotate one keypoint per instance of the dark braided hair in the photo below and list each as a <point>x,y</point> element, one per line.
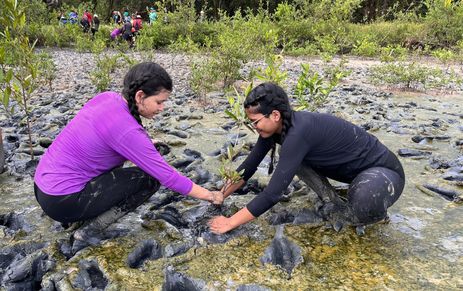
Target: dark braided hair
<point>149,77</point>
<point>264,99</point>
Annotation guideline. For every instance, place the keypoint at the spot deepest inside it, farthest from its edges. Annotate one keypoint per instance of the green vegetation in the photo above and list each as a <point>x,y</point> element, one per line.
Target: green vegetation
<point>21,69</point>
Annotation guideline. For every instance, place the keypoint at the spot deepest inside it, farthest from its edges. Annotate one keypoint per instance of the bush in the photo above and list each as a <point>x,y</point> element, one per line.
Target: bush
<point>411,76</point>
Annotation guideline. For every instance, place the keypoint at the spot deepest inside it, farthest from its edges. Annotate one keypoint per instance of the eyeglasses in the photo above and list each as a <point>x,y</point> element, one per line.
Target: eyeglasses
<point>254,123</point>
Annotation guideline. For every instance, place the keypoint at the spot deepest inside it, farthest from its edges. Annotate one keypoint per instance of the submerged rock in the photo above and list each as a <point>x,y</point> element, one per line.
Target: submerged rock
<point>282,252</point>
<point>175,281</point>
<point>252,287</point>
<point>14,222</point>
<point>146,250</point>
<point>26,273</point>
<point>90,276</point>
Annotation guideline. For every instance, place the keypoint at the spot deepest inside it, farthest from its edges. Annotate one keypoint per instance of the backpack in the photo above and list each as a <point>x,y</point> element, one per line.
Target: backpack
<point>137,24</point>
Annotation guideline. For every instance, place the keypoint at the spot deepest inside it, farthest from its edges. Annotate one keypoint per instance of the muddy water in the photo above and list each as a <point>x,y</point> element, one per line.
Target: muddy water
<point>421,248</point>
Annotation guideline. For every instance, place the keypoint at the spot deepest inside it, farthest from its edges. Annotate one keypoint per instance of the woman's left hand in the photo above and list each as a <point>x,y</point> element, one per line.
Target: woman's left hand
<point>220,224</point>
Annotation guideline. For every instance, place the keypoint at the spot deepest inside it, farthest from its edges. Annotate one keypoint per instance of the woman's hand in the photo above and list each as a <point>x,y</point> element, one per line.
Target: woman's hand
<point>220,224</point>
<point>217,197</point>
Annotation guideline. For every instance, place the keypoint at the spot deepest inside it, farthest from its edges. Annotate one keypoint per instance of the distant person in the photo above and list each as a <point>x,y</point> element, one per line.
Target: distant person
<point>137,25</point>
<point>62,19</point>
<point>95,24</point>
<point>73,17</point>
<point>126,16</point>
<point>89,16</point>
<point>116,32</point>
<point>127,32</point>
<point>327,145</point>
<point>84,23</point>
<point>153,16</point>
<point>80,176</point>
<point>117,17</point>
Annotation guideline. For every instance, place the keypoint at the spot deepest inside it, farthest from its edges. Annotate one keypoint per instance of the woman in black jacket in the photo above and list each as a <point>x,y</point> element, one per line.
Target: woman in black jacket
<point>330,146</point>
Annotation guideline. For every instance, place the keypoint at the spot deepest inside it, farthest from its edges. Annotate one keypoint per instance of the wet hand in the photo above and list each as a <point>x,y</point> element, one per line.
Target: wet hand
<point>220,224</point>
<point>217,197</point>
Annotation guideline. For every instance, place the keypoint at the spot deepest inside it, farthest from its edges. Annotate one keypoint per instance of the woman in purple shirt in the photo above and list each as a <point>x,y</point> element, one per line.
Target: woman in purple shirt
<point>80,176</point>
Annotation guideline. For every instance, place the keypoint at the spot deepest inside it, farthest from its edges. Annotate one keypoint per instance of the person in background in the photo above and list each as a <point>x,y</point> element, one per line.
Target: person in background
<point>84,23</point>
<point>95,24</point>
<point>322,144</point>
<point>127,32</point>
<point>126,16</point>
<point>116,32</point>
<point>137,25</point>
<point>80,177</point>
<point>62,20</point>
<point>153,16</point>
<point>117,17</point>
<point>73,17</point>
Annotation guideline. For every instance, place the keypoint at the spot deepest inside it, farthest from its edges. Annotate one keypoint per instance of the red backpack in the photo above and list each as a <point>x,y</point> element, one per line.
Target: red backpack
<point>137,24</point>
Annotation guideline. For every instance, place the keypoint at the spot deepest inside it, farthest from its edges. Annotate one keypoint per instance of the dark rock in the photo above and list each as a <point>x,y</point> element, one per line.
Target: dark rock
<point>282,252</point>
<point>45,142</point>
<point>173,250</point>
<point>229,125</point>
<point>282,217</point>
<point>178,133</point>
<point>162,148</point>
<point>449,195</point>
<point>162,198</point>
<point>175,281</point>
<point>146,250</point>
<point>436,163</point>
<point>27,272</point>
<point>90,276</point>
<point>14,222</point>
<point>413,153</point>
<point>172,216</point>
<point>192,153</point>
<point>455,174</point>
<point>182,163</point>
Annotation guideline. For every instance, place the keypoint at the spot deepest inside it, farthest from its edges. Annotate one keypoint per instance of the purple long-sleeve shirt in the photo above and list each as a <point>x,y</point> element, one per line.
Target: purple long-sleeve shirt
<point>103,135</point>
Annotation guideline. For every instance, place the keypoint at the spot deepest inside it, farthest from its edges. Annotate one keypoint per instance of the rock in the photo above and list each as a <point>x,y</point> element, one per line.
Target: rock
<point>90,276</point>
<point>25,273</point>
<point>178,133</point>
<point>14,222</point>
<point>45,142</point>
<point>192,153</point>
<point>182,163</point>
<point>449,195</point>
<point>172,216</point>
<point>413,153</point>
<point>162,148</point>
<point>282,252</point>
<point>175,281</point>
<point>252,287</point>
<point>172,250</point>
<point>146,250</point>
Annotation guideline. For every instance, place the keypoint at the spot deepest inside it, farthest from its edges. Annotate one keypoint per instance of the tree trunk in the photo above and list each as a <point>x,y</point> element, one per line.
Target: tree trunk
<point>2,153</point>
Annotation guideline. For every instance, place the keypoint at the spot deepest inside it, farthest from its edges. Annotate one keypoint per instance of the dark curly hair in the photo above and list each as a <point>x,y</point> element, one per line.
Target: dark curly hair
<point>265,98</point>
<point>149,77</point>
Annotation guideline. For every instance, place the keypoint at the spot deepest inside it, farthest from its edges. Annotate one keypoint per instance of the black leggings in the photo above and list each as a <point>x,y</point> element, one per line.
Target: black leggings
<point>126,188</point>
<point>372,192</point>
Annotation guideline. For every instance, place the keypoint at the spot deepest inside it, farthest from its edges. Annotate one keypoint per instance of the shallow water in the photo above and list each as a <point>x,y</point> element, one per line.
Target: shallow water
<point>421,247</point>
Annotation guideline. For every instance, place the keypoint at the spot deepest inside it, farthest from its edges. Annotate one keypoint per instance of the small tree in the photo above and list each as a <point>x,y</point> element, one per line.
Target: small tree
<point>238,114</point>
<point>19,66</point>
